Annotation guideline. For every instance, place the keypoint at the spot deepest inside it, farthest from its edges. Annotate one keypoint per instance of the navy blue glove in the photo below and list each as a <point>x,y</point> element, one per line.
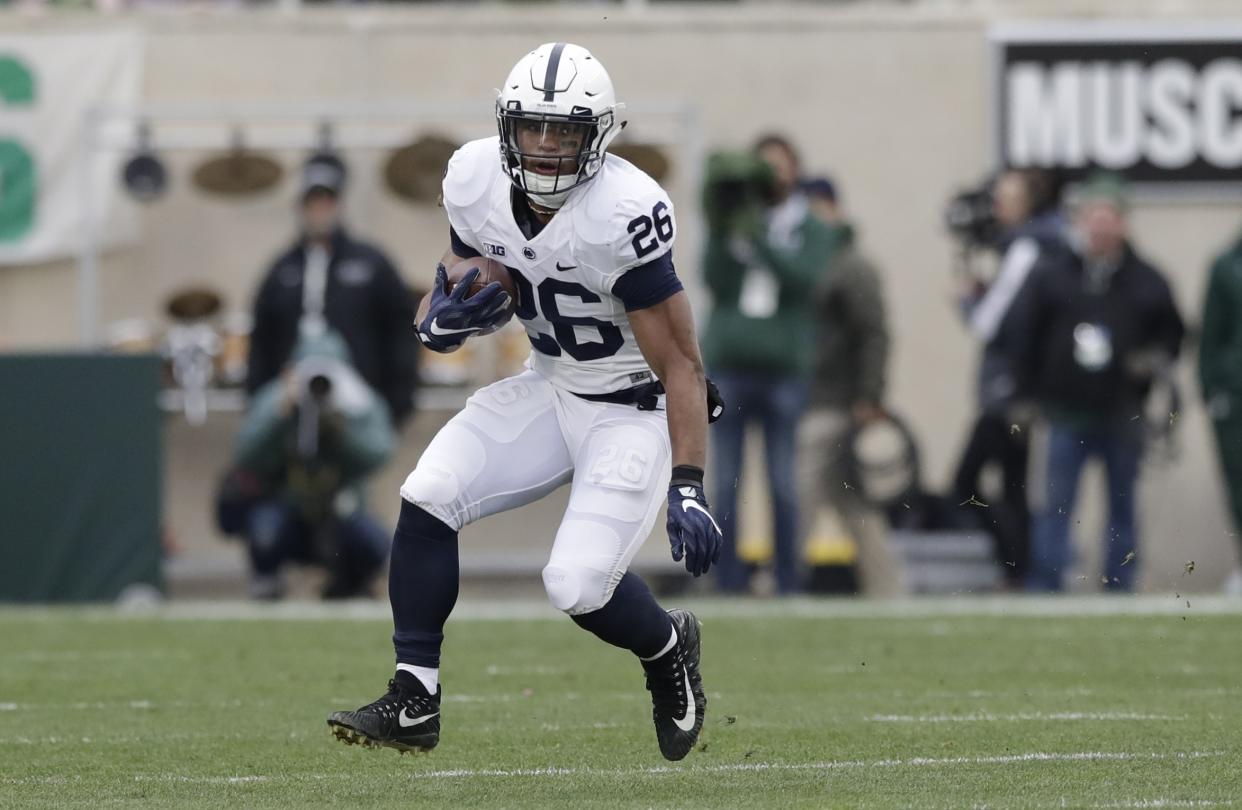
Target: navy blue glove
<point>715,402</point>
<point>452,317</point>
<point>692,531</point>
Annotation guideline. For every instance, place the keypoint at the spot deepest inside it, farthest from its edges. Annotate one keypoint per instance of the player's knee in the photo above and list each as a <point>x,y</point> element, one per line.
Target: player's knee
<point>447,468</point>
<point>431,483</point>
<point>575,589</point>
<point>562,586</point>
<point>416,520</point>
<point>435,488</point>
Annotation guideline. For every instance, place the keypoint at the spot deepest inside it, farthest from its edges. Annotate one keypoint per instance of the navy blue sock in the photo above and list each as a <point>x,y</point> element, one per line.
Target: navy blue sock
<point>632,619</point>
<point>422,584</point>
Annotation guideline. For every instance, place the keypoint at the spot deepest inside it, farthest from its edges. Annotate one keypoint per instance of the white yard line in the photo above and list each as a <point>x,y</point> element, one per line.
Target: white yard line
<point>1167,803</point>
<point>112,705</point>
<point>532,609</point>
<point>660,770</point>
<point>1021,717</point>
<point>89,656</point>
<point>914,762</point>
<point>209,780</point>
<point>131,739</point>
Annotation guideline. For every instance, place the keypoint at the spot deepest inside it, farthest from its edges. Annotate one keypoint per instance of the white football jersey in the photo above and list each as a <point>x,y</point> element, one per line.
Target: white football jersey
<point>579,332</point>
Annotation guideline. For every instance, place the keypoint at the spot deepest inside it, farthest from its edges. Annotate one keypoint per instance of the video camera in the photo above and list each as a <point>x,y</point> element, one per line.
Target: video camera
<point>314,402</point>
<point>970,217</point>
<point>737,185</point>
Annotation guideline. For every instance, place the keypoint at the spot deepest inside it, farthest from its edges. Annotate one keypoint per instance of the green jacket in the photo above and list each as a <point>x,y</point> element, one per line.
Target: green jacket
<point>1220,345</point>
<point>355,437</point>
<point>853,334</point>
<point>772,337</point>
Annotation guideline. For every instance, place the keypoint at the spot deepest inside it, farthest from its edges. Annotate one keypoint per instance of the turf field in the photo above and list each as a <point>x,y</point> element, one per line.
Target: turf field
<point>1009,703</point>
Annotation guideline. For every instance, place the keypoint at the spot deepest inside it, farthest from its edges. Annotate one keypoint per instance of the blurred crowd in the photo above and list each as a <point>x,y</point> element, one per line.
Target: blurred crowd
<point>1077,333</point>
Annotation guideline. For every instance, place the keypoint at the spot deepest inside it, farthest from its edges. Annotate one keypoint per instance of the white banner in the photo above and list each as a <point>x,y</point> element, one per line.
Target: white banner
<point>48,82</point>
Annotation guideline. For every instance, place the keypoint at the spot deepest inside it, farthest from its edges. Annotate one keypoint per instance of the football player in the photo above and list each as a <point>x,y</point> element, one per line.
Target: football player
<point>613,400</point>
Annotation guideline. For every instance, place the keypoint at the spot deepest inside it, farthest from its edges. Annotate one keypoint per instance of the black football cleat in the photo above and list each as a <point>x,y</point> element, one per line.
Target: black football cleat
<point>407,718</point>
<point>677,698</point>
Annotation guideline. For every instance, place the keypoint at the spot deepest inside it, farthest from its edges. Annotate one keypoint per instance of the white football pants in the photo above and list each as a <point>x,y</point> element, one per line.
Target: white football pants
<point>519,439</point>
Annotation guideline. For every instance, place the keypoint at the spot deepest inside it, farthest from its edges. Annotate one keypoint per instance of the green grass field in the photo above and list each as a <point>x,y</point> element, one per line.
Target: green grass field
<point>1136,703</point>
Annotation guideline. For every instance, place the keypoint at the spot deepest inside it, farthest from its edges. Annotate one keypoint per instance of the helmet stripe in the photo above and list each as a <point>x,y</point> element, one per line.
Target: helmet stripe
<point>549,78</point>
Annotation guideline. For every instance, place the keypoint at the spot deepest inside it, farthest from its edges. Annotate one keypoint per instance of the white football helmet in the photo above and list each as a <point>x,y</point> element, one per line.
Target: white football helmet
<point>558,87</point>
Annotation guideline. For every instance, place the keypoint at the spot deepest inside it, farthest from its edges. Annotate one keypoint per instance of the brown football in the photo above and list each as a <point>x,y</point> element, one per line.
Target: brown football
<point>489,271</point>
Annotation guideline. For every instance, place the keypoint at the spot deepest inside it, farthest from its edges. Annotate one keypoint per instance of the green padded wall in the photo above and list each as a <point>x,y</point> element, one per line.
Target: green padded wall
<point>79,476</point>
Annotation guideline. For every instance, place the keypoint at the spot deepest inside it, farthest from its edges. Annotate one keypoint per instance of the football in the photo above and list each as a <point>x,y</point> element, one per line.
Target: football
<point>489,270</point>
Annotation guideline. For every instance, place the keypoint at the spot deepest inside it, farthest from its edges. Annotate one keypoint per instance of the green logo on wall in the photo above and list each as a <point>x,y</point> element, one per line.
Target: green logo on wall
<point>18,192</point>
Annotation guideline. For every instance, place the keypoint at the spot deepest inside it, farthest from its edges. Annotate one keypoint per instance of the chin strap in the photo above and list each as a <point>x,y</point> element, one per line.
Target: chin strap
<point>540,209</point>
<point>547,202</point>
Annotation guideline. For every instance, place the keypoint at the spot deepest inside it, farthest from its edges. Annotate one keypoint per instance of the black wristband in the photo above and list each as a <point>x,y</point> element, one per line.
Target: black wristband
<point>687,474</point>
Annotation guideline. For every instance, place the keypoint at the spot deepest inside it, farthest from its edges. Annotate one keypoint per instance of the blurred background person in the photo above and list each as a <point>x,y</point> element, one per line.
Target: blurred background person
<point>846,393</point>
<point>309,441</point>
<point>765,253</point>
<point>340,300</point>
<point>1220,378</point>
<point>1096,326</point>
<point>1028,221</point>
<point>327,279</point>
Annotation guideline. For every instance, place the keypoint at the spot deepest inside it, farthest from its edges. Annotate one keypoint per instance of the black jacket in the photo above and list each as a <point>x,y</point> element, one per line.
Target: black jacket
<point>365,300</point>
<point>1019,252</point>
<point>1085,352</point>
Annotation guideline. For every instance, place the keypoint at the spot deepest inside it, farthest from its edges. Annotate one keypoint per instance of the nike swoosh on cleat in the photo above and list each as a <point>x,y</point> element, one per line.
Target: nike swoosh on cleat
<point>687,723</point>
<point>688,504</point>
<point>563,269</point>
<point>406,721</point>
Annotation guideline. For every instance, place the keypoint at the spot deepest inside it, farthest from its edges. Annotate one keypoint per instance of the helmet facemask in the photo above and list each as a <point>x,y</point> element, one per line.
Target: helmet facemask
<point>546,176</point>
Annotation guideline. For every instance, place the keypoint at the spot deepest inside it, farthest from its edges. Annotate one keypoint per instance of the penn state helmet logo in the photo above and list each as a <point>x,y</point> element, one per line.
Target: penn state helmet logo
<point>528,253</point>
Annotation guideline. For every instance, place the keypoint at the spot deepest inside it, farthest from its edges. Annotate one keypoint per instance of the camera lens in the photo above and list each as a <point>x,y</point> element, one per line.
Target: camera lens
<point>319,386</point>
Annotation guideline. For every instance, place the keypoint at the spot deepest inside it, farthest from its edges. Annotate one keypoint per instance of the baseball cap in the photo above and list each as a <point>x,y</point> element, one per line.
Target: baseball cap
<point>323,172</point>
<point>820,187</point>
<point>1105,187</point>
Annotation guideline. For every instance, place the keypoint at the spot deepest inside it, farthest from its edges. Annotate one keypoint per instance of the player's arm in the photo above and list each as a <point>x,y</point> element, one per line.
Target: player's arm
<point>665,334</point>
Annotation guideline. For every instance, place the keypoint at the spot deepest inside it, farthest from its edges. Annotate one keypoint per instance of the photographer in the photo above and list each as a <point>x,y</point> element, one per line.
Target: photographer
<point>328,279</point>
<point>1022,220</point>
<point>310,439</point>
<point>1096,327</point>
<point>765,252</point>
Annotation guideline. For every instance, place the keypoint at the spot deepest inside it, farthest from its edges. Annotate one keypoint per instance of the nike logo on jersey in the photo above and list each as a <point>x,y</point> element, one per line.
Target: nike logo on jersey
<point>689,503</point>
<point>563,269</point>
<point>406,720</point>
<point>687,723</point>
